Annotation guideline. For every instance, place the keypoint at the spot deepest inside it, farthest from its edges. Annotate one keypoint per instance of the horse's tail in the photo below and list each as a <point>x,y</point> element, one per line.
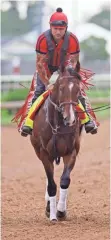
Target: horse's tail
<point>57,160</point>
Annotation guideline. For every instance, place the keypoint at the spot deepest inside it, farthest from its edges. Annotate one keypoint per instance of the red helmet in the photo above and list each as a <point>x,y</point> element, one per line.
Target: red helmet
<point>58,19</point>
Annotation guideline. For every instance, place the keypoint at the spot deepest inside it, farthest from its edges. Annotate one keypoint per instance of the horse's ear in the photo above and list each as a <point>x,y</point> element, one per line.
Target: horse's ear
<point>77,68</point>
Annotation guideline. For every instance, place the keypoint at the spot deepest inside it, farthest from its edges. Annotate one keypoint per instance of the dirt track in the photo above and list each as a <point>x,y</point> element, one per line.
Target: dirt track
<point>23,187</point>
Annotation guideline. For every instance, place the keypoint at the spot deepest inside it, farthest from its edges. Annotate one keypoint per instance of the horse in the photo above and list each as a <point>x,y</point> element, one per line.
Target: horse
<point>56,133</point>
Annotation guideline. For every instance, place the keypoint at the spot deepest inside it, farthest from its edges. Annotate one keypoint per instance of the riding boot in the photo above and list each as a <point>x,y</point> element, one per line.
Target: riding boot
<point>40,88</point>
<point>90,126</point>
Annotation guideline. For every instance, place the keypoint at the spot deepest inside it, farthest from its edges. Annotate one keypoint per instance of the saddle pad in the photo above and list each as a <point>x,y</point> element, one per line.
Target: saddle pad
<point>38,103</point>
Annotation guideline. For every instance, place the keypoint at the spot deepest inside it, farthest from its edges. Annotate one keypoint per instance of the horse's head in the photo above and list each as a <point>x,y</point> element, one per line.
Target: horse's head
<point>67,90</point>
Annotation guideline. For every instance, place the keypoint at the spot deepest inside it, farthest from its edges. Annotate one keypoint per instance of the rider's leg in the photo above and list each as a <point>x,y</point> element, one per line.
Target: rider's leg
<point>40,88</point>
<point>90,126</point>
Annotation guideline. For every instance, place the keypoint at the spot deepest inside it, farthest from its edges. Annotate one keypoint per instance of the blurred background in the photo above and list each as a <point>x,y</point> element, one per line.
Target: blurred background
<point>21,24</point>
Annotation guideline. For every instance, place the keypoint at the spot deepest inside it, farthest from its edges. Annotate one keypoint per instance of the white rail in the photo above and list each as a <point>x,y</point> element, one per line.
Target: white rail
<point>13,81</point>
<point>16,78</point>
<point>25,78</point>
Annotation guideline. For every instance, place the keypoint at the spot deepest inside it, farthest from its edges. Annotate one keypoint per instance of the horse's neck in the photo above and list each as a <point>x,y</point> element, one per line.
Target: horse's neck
<point>54,95</point>
<point>52,113</point>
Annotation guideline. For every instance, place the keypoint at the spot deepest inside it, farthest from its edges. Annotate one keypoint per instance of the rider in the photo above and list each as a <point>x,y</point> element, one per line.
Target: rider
<point>57,47</point>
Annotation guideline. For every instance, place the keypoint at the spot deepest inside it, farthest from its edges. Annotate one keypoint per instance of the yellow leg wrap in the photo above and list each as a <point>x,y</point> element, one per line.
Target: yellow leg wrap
<point>85,120</point>
<point>86,117</point>
<point>28,121</point>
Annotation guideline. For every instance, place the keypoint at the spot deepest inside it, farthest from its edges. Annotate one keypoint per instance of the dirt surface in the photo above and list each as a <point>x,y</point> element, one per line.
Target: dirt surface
<point>23,188</point>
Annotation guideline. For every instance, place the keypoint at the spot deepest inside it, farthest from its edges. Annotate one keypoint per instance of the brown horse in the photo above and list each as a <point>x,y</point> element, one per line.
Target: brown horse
<point>56,134</point>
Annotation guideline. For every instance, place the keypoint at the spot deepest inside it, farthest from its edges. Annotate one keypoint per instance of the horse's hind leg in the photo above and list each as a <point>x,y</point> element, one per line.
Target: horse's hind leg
<point>51,188</point>
<point>69,162</point>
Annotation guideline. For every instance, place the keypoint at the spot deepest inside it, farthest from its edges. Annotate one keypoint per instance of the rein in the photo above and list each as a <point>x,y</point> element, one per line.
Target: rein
<point>101,108</point>
<point>96,109</point>
<point>59,109</point>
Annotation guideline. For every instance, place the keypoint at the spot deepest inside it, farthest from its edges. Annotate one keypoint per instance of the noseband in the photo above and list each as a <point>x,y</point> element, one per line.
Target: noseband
<point>59,108</point>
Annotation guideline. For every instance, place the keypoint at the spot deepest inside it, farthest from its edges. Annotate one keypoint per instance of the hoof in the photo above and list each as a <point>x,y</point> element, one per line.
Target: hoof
<point>61,215</point>
<point>26,131</point>
<point>47,212</point>
<point>54,221</point>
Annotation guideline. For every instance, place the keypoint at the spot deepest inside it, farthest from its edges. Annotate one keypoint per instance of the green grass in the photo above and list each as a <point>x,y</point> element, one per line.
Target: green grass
<point>102,114</point>
<point>6,117</point>
<point>93,93</point>
<point>14,95</point>
<point>21,94</point>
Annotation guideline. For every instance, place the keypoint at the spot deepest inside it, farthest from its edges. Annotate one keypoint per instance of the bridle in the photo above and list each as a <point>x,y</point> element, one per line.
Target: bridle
<point>59,108</point>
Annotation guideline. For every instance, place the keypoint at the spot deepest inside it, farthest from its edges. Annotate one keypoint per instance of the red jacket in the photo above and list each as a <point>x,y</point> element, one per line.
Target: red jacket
<point>43,68</point>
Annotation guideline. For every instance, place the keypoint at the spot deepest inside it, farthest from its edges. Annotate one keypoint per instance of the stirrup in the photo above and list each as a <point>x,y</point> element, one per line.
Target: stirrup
<point>90,127</point>
<point>26,131</point>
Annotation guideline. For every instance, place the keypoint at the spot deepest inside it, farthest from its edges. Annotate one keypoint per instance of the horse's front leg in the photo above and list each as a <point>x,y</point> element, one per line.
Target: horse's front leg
<point>51,186</point>
<point>47,200</point>
<point>69,162</point>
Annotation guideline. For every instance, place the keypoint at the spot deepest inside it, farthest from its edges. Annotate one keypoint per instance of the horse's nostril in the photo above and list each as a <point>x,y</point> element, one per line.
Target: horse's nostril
<point>66,118</point>
<point>66,121</point>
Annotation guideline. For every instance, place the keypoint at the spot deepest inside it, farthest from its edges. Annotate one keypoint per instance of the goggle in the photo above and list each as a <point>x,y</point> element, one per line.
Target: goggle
<point>58,23</point>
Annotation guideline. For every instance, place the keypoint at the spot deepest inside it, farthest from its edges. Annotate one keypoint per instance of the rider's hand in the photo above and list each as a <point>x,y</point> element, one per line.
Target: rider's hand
<point>53,78</point>
<point>50,87</point>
